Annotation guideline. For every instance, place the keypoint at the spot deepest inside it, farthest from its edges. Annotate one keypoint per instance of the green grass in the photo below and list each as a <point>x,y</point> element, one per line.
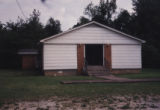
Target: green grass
<point>21,85</point>
<point>145,73</point>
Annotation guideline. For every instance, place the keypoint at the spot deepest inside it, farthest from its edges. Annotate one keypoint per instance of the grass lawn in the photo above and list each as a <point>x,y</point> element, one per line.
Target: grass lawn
<point>145,73</point>
<point>17,85</point>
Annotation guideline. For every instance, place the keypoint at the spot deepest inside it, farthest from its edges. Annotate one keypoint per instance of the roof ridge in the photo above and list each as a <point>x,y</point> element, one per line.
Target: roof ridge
<point>93,22</point>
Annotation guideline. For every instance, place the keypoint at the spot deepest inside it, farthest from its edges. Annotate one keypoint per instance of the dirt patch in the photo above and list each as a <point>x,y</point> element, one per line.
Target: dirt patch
<point>140,102</point>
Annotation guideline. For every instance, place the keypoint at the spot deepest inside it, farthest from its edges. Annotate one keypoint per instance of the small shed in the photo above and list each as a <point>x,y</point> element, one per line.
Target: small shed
<point>91,48</point>
<point>29,58</point>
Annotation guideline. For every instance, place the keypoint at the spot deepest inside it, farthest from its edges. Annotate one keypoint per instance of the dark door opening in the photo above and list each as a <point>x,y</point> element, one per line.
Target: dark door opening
<point>94,54</point>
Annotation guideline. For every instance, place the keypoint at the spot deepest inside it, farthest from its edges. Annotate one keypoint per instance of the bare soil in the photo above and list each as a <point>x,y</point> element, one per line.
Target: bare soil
<point>136,102</point>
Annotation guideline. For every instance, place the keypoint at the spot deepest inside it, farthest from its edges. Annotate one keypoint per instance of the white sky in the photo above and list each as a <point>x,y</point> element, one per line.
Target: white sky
<point>67,11</point>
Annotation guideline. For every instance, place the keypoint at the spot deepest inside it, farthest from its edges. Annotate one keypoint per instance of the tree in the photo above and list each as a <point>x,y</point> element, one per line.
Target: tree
<point>91,10</point>
<point>147,17</point>
<point>123,21</point>
<point>1,26</point>
<point>102,12</point>
<point>23,34</point>
<point>82,20</point>
<point>52,27</point>
<point>31,31</point>
<point>145,24</point>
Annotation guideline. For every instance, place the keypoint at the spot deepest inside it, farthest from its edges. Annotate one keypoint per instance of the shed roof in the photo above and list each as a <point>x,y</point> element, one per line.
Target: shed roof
<point>27,52</point>
<point>93,22</point>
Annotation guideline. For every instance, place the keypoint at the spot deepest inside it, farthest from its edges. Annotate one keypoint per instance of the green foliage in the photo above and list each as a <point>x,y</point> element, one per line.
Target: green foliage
<point>53,27</point>
<point>123,21</point>
<point>23,34</point>
<point>144,23</point>
<point>82,20</point>
<point>102,12</point>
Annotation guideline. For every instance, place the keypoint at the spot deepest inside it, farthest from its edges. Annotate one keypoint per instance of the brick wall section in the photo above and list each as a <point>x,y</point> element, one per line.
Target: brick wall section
<point>80,57</point>
<point>108,56</point>
<point>125,71</point>
<point>60,72</point>
<point>28,62</point>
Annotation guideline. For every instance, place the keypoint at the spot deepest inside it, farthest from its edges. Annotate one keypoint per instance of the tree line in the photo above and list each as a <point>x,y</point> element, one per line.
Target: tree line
<point>23,34</point>
<point>143,23</point>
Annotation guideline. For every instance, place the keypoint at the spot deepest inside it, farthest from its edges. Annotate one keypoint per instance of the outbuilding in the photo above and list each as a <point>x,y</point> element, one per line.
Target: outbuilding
<point>92,48</point>
<point>28,58</point>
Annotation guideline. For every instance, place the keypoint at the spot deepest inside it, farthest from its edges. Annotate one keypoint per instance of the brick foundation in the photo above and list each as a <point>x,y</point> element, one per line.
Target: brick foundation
<point>60,72</point>
<point>74,72</point>
<point>125,71</point>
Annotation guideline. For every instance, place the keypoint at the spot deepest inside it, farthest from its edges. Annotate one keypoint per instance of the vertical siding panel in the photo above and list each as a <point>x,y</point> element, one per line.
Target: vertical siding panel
<point>126,57</point>
<point>93,35</point>
<point>60,57</point>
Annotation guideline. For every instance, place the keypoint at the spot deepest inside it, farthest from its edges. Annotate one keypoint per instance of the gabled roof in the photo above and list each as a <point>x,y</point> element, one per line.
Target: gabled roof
<point>93,22</point>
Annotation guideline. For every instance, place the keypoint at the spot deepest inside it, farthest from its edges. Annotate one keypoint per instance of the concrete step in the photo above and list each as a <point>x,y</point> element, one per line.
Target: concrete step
<point>96,68</point>
<point>98,73</point>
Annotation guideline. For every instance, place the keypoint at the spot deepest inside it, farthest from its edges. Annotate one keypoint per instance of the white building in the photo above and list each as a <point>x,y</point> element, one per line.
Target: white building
<point>91,47</point>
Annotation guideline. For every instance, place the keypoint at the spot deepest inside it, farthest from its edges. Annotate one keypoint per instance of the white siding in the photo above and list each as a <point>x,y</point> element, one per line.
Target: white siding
<point>126,57</point>
<point>92,34</point>
<point>60,57</point>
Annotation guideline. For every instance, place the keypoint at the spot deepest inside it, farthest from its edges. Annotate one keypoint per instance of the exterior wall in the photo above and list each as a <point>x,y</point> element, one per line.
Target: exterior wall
<point>80,57</point>
<point>92,34</point>
<point>28,62</point>
<point>59,57</point>
<point>66,52</point>
<point>126,57</point>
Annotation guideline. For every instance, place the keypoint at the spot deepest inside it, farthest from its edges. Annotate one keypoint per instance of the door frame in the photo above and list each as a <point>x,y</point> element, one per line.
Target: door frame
<point>102,53</point>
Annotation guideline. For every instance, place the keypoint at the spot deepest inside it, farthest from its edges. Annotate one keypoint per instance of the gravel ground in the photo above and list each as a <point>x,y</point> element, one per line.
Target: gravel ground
<point>136,102</point>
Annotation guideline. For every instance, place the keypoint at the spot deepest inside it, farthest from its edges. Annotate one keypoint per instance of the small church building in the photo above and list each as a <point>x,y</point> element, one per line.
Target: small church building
<point>92,49</point>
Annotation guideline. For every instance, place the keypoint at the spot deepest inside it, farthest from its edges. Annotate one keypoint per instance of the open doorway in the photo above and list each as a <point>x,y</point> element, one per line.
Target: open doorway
<point>94,54</point>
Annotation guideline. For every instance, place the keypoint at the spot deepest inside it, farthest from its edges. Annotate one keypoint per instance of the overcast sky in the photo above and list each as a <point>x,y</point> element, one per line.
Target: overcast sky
<point>67,11</point>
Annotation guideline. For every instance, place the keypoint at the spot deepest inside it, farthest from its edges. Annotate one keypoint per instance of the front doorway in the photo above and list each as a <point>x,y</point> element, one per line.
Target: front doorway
<point>94,54</point>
